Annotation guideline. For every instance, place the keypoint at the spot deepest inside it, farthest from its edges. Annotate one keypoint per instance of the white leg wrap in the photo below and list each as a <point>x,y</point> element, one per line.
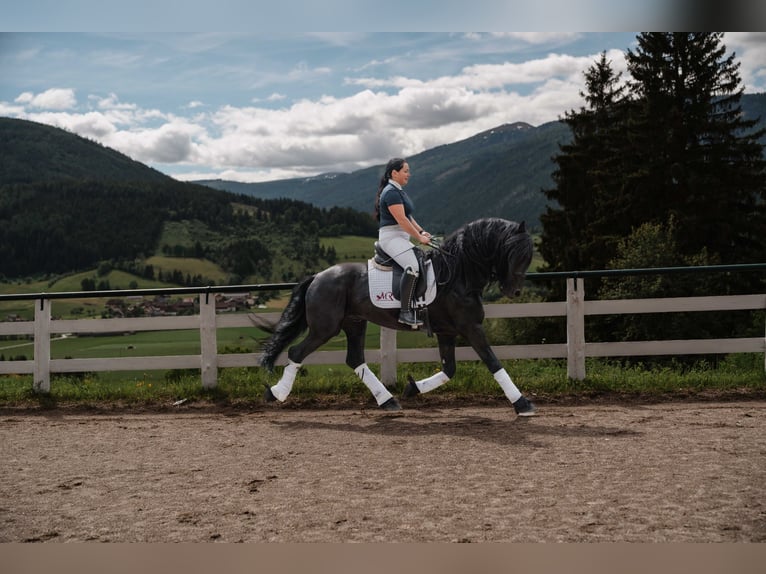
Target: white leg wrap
<point>378,389</point>
<point>282,389</point>
<point>507,385</point>
<point>432,382</point>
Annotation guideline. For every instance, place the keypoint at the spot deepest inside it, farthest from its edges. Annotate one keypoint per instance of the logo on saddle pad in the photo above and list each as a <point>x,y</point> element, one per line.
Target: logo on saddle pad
<point>380,280</point>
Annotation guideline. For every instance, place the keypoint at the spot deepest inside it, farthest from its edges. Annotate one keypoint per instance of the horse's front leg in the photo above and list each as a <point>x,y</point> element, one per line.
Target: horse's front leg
<point>447,354</point>
<point>355,331</point>
<point>478,340</point>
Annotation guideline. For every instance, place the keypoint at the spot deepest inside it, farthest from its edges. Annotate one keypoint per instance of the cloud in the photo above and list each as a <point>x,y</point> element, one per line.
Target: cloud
<point>11,111</point>
<point>112,102</point>
<point>539,37</point>
<point>493,76</point>
<point>172,142</point>
<point>385,117</point>
<point>52,99</point>
<point>750,48</point>
<point>94,125</point>
<point>367,121</point>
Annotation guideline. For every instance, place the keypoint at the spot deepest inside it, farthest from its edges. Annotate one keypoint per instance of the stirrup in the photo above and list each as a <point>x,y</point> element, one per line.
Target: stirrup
<point>408,317</point>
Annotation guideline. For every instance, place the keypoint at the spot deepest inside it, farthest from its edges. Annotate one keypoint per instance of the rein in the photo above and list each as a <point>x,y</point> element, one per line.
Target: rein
<point>436,244</point>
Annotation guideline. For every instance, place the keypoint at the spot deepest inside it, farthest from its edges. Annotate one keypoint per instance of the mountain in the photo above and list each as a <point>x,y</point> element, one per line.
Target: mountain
<point>499,172</point>
<point>37,152</point>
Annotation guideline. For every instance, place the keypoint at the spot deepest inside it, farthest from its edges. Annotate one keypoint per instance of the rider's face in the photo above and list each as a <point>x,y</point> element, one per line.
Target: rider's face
<point>401,176</point>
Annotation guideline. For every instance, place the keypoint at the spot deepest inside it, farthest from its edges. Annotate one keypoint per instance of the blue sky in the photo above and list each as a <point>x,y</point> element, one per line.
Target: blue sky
<point>253,106</point>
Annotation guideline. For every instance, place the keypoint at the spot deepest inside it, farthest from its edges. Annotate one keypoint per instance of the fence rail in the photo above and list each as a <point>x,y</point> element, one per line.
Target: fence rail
<point>575,308</point>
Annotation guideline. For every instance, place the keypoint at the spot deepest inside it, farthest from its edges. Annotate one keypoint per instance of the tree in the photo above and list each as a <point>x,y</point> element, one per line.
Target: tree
<point>671,164</point>
<point>586,176</point>
<point>655,245</point>
<point>699,160</point>
<point>676,145</point>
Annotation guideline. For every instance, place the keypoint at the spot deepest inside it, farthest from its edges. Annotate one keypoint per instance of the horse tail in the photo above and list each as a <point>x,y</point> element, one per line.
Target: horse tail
<point>291,324</point>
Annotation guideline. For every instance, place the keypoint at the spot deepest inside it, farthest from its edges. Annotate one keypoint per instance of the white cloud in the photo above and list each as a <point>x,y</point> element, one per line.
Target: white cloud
<point>94,125</point>
<point>25,98</point>
<point>112,102</point>
<point>335,133</point>
<point>494,76</point>
<point>11,111</point>
<point>172,142</point>
<point>52,99</point>
<point>750,49</point>
<point>539,37</point>
<point>370,120</point>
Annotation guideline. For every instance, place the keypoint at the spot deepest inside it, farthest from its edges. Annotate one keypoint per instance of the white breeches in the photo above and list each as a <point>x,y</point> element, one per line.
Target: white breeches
<point>396,242</point>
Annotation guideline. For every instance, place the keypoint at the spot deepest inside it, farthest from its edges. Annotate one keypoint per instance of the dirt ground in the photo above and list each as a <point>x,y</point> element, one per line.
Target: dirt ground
<point>668,472</point>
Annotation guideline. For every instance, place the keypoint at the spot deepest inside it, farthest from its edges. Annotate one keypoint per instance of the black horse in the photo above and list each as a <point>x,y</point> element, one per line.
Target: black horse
<point>338,299</point>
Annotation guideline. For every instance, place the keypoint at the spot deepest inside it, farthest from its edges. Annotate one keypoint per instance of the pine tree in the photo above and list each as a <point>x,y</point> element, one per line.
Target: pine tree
<point>573,232</point>
<point>700,162</point>
<point>673,153</point>
<point>675,145</point>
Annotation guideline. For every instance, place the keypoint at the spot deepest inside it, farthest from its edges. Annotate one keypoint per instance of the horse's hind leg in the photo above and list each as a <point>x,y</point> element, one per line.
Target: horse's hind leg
<point>355,331</point>
<point>296,354</point>
<point>447,354</point>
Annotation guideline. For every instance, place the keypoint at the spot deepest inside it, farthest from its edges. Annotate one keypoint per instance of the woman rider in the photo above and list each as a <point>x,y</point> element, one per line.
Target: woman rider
<point>393,210</point>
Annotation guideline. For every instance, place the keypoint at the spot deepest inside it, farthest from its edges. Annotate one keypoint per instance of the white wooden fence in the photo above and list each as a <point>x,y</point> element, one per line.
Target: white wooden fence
<point>207,322</point>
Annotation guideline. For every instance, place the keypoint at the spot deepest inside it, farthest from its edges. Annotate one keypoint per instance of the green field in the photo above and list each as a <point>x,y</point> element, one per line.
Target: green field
<point>182,342</point>
<point>350,247</point>
<point>188,266</point>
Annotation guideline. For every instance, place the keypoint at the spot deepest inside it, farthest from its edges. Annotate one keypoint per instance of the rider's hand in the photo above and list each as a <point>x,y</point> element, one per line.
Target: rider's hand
<point>424,237</point>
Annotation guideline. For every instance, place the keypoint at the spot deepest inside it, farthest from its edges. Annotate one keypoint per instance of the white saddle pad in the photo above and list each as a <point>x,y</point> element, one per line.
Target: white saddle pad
<point>382,294</point>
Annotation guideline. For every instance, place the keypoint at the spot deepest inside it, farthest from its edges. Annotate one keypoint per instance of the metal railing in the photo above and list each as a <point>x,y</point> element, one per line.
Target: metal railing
<point>575,308</point>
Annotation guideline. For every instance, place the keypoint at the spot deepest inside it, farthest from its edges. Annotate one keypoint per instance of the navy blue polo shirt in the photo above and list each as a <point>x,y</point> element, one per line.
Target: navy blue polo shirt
<point>391,195</point>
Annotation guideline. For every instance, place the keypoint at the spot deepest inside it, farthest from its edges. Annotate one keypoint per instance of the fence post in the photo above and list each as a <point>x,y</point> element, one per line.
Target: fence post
<point>42,369</point>
<point>576,329</point>
<point>388,356</point>
<point>208,341</point>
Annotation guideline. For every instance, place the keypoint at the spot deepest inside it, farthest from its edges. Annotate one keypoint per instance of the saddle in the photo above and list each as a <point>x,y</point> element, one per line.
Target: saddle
<point>383,260</point>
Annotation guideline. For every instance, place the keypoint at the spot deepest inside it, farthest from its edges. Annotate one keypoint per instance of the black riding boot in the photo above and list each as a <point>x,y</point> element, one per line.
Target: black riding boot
<point>407,315</point>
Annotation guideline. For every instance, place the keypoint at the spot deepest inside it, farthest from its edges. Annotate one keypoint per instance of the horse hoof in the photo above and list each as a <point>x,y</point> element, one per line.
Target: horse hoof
<point>268,396</point>
<point>411,389</point>
<point>391,405</point>
<point>524,408</point>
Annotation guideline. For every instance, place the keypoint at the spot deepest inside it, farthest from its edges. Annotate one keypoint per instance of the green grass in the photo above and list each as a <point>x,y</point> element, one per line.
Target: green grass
<point>350,247</point>
<point>146,343</point>
<point>737,376</point>
<point>188,266</point>
<point>185,233</point>
<point>183,342</point>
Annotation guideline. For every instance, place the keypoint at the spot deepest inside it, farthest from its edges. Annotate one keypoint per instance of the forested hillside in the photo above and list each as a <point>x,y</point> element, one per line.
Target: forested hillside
<point>68,204</point>
<point>37,152</point>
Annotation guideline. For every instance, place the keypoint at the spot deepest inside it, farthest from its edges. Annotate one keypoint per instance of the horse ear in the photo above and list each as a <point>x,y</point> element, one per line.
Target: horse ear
<point>523,227</point>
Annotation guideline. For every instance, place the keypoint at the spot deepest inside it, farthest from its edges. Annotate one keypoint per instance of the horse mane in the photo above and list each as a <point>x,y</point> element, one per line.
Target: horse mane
<point>478,252</point>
